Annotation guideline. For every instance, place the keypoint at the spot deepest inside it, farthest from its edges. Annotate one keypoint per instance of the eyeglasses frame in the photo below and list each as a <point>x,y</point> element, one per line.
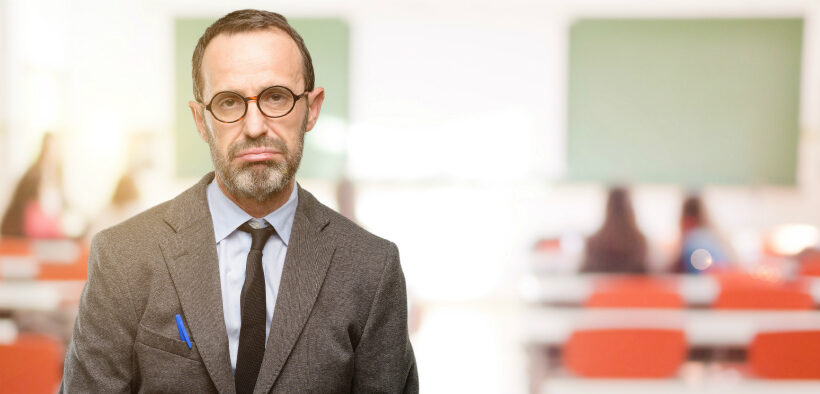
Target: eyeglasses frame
<point>255,98</point>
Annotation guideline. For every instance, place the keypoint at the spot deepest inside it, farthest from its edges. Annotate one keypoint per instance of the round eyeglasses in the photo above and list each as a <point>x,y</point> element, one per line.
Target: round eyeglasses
<point>273,102</point>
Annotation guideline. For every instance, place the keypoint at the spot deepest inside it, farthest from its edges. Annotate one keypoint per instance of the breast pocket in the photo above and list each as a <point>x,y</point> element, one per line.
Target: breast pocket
<point>158,341</point>
<point>167,365</point>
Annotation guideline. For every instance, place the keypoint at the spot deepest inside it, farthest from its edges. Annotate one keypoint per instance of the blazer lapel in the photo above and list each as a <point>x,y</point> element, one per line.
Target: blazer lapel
<point>306,262</point>
<point>190,255</point>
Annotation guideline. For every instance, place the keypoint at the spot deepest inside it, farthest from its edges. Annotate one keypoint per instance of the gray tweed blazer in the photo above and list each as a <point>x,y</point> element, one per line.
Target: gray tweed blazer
<point>340,321</point>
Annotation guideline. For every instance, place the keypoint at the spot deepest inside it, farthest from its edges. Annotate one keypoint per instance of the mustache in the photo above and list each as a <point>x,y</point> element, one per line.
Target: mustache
<point>261,142</point>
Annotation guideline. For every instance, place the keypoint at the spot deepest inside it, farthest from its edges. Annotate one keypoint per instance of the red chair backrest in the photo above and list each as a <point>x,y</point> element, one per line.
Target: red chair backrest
<point>625,353</point>
<point>634,292</point>
<point>742,291</point>
<point>14,247</point>
<point>810,266</point>
<point>786,355</point>
<point>31,364</point>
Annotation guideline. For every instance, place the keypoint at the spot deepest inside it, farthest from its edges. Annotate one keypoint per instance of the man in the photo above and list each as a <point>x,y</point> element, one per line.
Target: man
<point>244,282</point>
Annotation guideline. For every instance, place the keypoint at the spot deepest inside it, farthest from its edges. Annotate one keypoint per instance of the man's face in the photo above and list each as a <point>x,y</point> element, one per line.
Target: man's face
<point>256,157</point>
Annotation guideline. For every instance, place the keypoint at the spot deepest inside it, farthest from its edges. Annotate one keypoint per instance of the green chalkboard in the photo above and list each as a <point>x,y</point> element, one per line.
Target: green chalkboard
<point>689,101</point>
<point>327,40</point>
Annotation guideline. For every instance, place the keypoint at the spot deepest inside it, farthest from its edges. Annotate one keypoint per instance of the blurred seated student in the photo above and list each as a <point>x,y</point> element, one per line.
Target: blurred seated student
<point>37,203</point>
<point>124,204</point>
<point>618,246</point>
<point>698,233</point>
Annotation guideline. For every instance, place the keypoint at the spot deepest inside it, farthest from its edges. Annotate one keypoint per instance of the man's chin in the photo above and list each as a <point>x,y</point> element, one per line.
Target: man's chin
<point>258,181</point>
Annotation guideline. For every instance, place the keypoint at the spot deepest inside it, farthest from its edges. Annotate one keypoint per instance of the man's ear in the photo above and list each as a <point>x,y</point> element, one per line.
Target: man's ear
<point>315,99</point>
<point>199,120</point>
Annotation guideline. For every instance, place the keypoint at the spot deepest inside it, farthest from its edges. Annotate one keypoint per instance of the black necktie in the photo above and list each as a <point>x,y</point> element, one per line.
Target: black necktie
<point>252,331</point>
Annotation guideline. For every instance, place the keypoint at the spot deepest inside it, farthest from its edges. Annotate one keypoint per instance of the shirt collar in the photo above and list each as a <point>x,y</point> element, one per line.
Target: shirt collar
<point>227,216</point>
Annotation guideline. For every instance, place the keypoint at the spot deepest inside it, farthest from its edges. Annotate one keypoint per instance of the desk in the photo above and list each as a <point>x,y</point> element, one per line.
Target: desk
<point>574,289</point>
<point>703,327</point>
<point>57,259</point>
<point>41,274</point>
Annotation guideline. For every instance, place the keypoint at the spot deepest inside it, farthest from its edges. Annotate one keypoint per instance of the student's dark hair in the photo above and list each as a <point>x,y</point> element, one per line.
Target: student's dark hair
<point>694,211</point>
<point>619,245</point>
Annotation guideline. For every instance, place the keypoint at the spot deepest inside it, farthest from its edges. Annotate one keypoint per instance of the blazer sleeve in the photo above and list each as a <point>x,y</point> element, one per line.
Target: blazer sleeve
<point>384,359</point>
<point>100,356</point>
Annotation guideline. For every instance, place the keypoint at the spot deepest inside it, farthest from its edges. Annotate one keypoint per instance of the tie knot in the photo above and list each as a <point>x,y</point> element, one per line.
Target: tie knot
<point>258,235</point>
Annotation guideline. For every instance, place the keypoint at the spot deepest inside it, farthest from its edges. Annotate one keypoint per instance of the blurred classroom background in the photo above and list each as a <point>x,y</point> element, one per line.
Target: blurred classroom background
<point>589,196</point>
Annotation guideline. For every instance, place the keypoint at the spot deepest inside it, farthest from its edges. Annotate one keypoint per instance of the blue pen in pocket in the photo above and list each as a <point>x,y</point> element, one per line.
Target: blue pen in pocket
<point>183,334</point>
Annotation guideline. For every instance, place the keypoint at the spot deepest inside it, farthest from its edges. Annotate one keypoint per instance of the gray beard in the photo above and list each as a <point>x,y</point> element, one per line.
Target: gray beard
<point>249,181</point>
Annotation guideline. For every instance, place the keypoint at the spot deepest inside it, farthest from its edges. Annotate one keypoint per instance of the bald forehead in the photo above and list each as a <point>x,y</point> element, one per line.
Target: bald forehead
<point>250,61</point>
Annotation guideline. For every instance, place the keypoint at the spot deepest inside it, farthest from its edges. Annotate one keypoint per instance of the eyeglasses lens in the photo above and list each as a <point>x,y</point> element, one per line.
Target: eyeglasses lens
<point>228,106</point>
<point>276,101</point>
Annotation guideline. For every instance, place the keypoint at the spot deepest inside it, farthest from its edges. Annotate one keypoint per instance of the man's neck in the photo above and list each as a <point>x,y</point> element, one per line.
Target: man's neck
<point>259,209</point>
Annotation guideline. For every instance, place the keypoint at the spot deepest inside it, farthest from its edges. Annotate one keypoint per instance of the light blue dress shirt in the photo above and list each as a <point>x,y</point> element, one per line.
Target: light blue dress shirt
<point>232,247</point>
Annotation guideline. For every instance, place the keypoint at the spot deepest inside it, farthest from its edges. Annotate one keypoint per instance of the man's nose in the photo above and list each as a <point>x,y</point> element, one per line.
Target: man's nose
<point>254,121</point>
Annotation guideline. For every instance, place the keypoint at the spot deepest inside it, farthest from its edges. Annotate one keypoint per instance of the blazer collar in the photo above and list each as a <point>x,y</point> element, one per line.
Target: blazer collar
<point>192,261</point>
<point>189,207</point>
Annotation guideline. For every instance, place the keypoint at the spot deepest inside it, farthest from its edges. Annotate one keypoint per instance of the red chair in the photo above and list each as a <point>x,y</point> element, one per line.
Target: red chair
<point>810,265</point>
<point>31,364</point>
<point>742,291</point>
<point>634,292</point>
<point>14,247</point>
<point>625,353</point>
<point>786,355</point>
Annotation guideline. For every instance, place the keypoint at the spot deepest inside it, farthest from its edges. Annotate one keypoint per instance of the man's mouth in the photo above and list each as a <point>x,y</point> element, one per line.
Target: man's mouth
<point>257,154</point>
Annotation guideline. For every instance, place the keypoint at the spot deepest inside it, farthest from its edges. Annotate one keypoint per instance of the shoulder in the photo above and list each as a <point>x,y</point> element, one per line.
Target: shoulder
<point>131,250</point>
<point>351,234</point>
<point>138,238</point>
<point>343,230</point>
<point>357,251</point>
<point>699,237</point>
<point>157,223</point>
<point>144,227</point>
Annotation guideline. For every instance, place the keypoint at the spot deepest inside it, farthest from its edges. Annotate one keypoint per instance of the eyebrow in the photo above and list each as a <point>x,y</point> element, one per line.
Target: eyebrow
<point>257,90</point>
